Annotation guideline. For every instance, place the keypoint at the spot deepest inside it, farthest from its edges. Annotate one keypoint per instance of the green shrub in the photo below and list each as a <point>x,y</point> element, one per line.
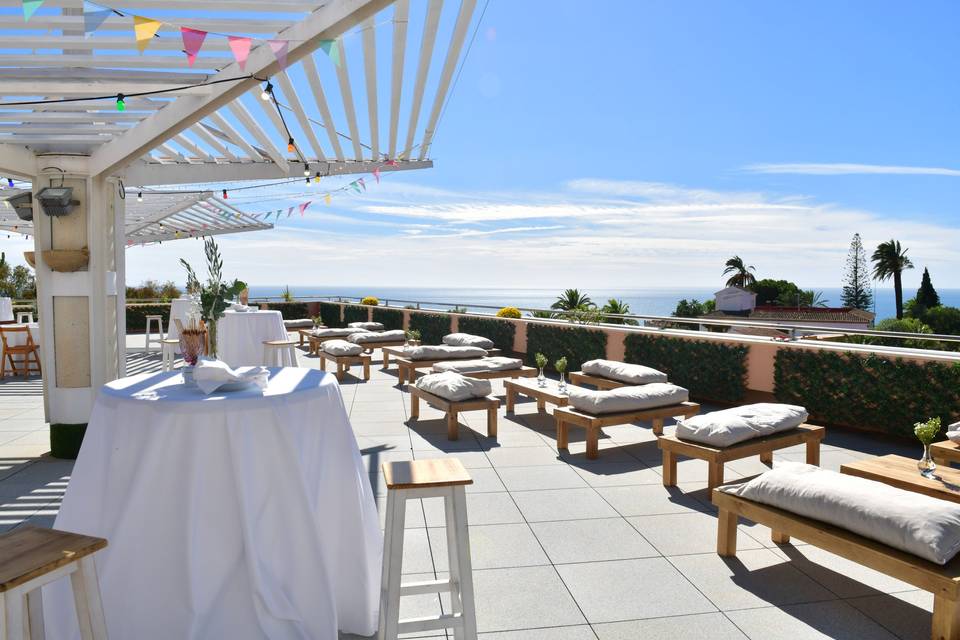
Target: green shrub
<point>500,331</point>
<point>291,310</point>
<point>137,316</point>
<point>330,314</point>
<point>710,370</point>
<point>353,313</point>
<point>389,318</point>
<point>867,392</point>
<point>508,312</point>
<point>432,326</point>
<point>576,344</point>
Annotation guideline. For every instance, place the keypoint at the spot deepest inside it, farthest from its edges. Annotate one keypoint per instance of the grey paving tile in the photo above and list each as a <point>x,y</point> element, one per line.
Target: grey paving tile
<point>579,632</point>
<point>613,592</point>
<point>523,598</point>
<point>510,439</point>
<point>712,626</point>
<point>612,474</point>
<point>469,459</point>
<point>841,576</point>
<point>545,477</point>
<point>591,540</point>
<point>835,619</point>
<point>685,533</point>
<point>482,508</point>
<point>562,504</point>
<point>523,456</point>
<point>908,614</point>
<point>650,499</point>
<point>493,546</point>
<point>484,481</point>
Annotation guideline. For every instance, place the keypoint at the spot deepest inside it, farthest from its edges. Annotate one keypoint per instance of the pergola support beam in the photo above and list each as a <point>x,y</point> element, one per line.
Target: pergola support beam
<point>181,173</point>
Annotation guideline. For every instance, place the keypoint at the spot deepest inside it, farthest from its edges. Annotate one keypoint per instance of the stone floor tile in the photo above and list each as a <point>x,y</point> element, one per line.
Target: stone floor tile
<point>493,546</point>
<point>546,477</point>
<point>708,626</point>
<point>562,504</point>
<point>482,508</point>
<point>523,598</point>
<point>653,499</point>
<point>907,614</point>
<point>816,621</point>
<point>685,533</point>
<point>591,540</point>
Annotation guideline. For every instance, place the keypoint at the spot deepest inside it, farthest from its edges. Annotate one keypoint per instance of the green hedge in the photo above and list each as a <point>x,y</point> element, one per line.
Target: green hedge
<point>500,331</point>
<point>389,318</point>
<point>330,315</point>
<point>432,326</point>
<point>867,392</point>
<point>137,316</point>
<point>291,310</point>
<point>710,370</point>
<point>576,343</point>
<point>354,313</point>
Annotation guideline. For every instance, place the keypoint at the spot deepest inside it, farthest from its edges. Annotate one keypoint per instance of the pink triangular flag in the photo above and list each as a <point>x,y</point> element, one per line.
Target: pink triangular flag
<point>279,48</point>
<point>376,174</point>
<point>240,47</point>
<point>303,206</point>
<point>192,41</point>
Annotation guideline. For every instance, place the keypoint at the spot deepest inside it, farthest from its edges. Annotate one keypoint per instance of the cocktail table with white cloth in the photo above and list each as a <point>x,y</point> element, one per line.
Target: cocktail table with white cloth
<point>6,310</point>
<point>179,309</point>
<point>233,515</point>
<point>241,334</point>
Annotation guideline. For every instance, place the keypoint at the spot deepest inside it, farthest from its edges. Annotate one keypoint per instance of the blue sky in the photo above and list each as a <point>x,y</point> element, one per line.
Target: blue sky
<point>633,144</point>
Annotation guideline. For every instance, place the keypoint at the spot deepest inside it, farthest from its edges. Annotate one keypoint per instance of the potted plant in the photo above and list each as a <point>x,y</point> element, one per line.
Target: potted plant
<point>561,367</point>
<point>215,294</point>
<point>413,338</point>
<point>317,322</point>
<point>541,363</point>
<point>926,432</point>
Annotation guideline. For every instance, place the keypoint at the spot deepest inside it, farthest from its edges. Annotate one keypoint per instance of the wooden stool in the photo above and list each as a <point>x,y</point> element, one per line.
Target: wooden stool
<point>148,334</point>
<point>444,478</point>
<point>279,353</point>
<point>24,316</point>
<point>31,557</point>
<point>168,351</point>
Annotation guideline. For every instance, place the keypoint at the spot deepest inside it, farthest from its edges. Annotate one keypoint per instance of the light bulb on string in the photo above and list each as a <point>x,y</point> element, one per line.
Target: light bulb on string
<point>225,196</point>
<point>307,179</point>
<point>121,105</point>
<point>267,92</point>
<point>316,178</point>
<point>139,196</point>
<point>10,182</point>
<point>290,147</point>
<point>306,170</point>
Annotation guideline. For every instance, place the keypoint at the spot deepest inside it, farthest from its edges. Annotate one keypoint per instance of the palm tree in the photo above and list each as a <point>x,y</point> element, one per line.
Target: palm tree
<point>741,273</point>
<point>813,299</point>
<point>572,300</point>
<point>619,308</point>
<point>890,261</point>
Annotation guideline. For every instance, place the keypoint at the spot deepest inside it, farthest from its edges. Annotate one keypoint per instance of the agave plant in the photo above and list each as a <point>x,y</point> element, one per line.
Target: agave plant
<point>215,294</point>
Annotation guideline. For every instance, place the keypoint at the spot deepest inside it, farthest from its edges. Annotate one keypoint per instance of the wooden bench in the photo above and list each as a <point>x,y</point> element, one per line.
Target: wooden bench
<point>522,372</point>
<point>453,408</point>
<point>305,335</point>
<point>580,378</point>
<point>407,366</point>
<point>945,452</point>
<point>565,416</point>
<point>368,347</point>
<point>715,457</point>
<point>344,363</point>
<point>942,581</point>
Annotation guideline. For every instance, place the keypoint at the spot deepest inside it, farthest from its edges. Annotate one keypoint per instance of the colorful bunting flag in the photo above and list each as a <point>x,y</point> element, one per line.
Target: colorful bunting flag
<point>192,41</point>
<point>93,17</point>
<point>376,174</point>
<point>362,183</point>
<point>144,29</point>
<point>29,7</point>
<point>332,49</point>
<point>289,212</point>
<point>240,46</point>
<point>326,199</point>
<point>391,163</point>
<point>355,186</point>
<point>280,48</point>
<point>303,206</point>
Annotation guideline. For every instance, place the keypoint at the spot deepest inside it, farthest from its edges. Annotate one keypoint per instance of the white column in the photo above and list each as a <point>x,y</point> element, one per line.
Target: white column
<point>81,312</point>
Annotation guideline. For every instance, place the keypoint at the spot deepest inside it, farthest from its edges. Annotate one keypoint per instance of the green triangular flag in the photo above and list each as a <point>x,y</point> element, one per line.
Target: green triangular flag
<point>29,7</point>
<point>331,48</point>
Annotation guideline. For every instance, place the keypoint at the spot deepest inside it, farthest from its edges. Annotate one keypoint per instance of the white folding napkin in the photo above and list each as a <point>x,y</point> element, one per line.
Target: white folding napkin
<point>210,375</point>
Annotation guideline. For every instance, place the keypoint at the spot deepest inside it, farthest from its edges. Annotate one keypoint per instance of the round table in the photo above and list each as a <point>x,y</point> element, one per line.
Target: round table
<point>6,310</point>
<point>243,515</point>
<point>179,309</point>
<point>241,334</point>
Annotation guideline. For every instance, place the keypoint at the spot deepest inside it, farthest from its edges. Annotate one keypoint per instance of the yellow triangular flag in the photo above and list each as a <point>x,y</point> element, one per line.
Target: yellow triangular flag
<point>145,29</point>
<point>326,198</point>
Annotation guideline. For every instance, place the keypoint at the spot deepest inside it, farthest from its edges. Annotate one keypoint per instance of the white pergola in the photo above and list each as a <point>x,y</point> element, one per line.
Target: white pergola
<point>160,217</point>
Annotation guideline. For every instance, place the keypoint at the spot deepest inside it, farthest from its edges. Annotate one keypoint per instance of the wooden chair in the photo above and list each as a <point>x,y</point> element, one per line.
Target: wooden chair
<point>28,351</point>
<point>566,416</point>
<point>31,557</point>
<point>453,408</point>
<point>942,581</point>
<point>716,456</point>
<point>279,353</point>
<point>343,363</point>
<point>412,480</point>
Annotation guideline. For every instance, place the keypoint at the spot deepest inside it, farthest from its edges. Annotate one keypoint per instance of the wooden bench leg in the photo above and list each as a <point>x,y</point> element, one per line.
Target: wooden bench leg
<point>401,374</point>
<point>593,443</point>
<point>541,405</point>
<point>366,369</point>
<point>657,426</point>
<point>386,359</point>
<point>414,406</point>
<point>669,468</point>
<point>726,533</point>
<point>492,422</point>
<point>946,619</point>
<point>453,426</point>
<point>813,452</point>
<point>562,433</point>
<point>714,475</point>
<point>767,458</point>
<point>779,538</point>
<point>323,364</point>
<point>511,398</point>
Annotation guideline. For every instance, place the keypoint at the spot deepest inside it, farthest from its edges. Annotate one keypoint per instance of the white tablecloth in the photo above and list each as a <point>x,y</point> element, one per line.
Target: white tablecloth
<point>6,310</point>
<point>240,336</point>
<point>245,515</point>
<point>179,309</point>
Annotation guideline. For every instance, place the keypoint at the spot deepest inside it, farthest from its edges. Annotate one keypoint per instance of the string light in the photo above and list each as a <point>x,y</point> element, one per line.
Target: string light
<point>10,182</point>
<point>225,196</point>
<point>316,178</point>
<point>306,170</point>
<point>139,196</point>
<point>121,105</point>
<point>307,179</point>
<point>267,92</point>
<point>290,146</point>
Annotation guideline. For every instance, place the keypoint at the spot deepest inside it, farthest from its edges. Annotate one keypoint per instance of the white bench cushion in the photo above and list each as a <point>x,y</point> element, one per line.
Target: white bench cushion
<point>737,424</point>
<point>648,396</point>
<point>905,520</point>
<point>453,386</point>
<point>366,337</point>
<point>302,323</point>
<point>623,372</point>
<point>341,348</point>
<point>445,351</point>
<point>369,326</point>
<point>333,333</point>
<point>494,363</point>
<point>467,340</point>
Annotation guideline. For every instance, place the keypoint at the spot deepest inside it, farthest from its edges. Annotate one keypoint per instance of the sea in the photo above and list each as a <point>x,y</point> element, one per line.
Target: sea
<point>653,301</point>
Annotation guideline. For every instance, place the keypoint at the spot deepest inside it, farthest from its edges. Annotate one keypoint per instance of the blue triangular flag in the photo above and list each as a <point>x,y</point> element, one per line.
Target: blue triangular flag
<point>332,49</point>
<point>29,6</point>
<point>93,17</point>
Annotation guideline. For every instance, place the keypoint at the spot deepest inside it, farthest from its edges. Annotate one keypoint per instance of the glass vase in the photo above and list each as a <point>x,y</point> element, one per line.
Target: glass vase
<point>562,385</point>
<point>541,379</point>
<point>926,465</point>
<point>212,338</point>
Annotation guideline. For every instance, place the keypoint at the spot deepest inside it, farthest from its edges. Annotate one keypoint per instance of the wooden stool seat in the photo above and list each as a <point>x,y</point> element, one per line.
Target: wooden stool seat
<point>417,474</point>
<point>31,557</point>
<point>279,343</point>
<point>280,353</point>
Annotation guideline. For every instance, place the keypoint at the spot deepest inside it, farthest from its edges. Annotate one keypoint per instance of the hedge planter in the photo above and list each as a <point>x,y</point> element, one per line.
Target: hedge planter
<point>868,392</point>
<point>291,310</point>
<point>137,316</point>
<point>432,326</point>
<point>710,370</point>
<point>576,343</point>
<point>500,331</point>
<point>65,440</point>
<point>389,318</point>
<point>330,315</point>
<point>353,313</point>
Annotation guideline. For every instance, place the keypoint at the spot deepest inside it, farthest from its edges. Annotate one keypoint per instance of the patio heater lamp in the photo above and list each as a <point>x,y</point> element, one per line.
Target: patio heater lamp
<point>22,204</point>
<point>57,201</point>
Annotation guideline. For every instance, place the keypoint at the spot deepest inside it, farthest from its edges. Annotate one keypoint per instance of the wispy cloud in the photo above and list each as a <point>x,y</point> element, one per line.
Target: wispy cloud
<point>841,169</point>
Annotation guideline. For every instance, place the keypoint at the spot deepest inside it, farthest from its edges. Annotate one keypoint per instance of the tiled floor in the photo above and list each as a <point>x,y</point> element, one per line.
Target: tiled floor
<point>564,548</point>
